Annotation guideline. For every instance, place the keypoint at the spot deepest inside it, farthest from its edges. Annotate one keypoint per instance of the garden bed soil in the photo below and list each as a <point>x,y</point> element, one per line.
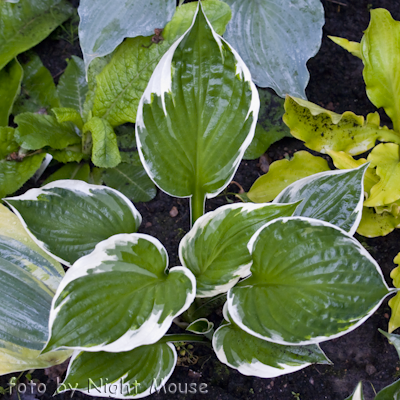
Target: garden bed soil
<point>363,355</point>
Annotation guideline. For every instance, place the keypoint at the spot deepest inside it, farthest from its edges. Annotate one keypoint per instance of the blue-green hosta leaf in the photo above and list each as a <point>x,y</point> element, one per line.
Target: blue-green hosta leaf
<point>104,24</point>
<point>125,284</point>
<point>128,375</point>
<point>27,23</point>
<point>195,153</point>
<point>310,281</point>
<point>68,218</point>
<point>215,249</point>
<point>333,196</point>
<point>276,38</point>
<point>357,394</point>
<point>10,86</point>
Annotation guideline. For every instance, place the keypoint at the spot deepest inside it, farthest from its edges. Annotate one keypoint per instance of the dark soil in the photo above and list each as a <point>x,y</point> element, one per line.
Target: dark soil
<point>363,355</point>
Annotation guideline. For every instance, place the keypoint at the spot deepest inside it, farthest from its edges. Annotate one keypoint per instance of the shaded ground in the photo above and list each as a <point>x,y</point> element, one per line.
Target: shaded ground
<point>336,83</point>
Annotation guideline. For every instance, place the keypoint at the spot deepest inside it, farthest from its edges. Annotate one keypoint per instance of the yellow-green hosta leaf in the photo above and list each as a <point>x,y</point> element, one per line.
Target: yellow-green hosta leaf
<point>68,115</point>
<point>72,170</point>
<point>324,130</point>
<point>373,224</point>
<point>197,116</point>
<point>127,375</point>
<point>68,218</point>
<point>215,249</point>
<point>386,158</point>
<point>352,47</point>
<point>357,394</point>
<point>10,86</point>
<point>119,297</point>
<point>380,50</point>
<point>310,282</point>
<point>282,173</point>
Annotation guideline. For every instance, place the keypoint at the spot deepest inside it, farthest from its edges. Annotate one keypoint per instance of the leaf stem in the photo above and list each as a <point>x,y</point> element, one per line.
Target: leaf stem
<point>197,205</point>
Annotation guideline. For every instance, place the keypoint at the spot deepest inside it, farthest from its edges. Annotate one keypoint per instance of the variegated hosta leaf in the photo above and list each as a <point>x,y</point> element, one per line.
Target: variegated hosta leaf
<point>352,47</point>
<point>391,392</point>
<point>334,196</point>
<point>68,218</point>
<point>276,38</point>
<point>215,249</point>
<point>310,282</point>
<point>119,297</point>
<point>284,172</point>
<point>197,116</point>
<point>380,52</point>
<point>394,302</point>
<point>373,224</point>
<point>128,375</point>
<point>201,326</point>
<point>357,394</point>
<point>324,130</point>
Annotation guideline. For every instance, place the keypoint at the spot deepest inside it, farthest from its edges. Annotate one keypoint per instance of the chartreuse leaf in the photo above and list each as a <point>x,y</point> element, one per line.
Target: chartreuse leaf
<point>196,153</point>
<point>352,47</point>
<point>36,131</point>
<point>125,284</point>
<point>373,224</point>
<point>127,375</point>
<point>380,50</point>
<point>10,86</point>
<point>29,280</point>
<point>85,214</point>
<point>259,28</point>
<point>282,173</point>
<point>324,130</point>
<point>394,302</point>
<point>38,92</point>
<point>357,394</point>
<point>80,172</point>
<point>68,115</point>
<point>215,249</point>
<point>121,84</point>
<point>335,196</point>
<point>72,87</point>
<point>27,23</point>
<point>99,39</point>
<point>310,281</point>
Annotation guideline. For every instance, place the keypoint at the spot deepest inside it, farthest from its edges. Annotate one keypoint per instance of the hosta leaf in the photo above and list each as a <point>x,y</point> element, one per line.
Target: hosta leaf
<point>310,281</point>
<point>85,214</point>
<point>80,172</point>
<point>256,357</point>
<point>125,284</point>
<point>8,144</point>
<point>276,39</point>
<point>352,47</point>
<point>394,302</point>
<point>201,326</point>
<point>131,180</point>
<point>357,394</point>
<point>10,86</point>
<point>282,173</point>
<point>373,224</point>
<point>386,158</point>
<point>196,153</point>
<point>215,249</point>
<point>391,392</point>
<point>324,130</point>
<point>104,25</point>
<point>335,196</point>
<point>36,131</point>
<point>68,115</point>
<point>128,375</point>
<point>121,84</point>
<point>380,50</point>
<point>72,87</point>
<point>27,23</point>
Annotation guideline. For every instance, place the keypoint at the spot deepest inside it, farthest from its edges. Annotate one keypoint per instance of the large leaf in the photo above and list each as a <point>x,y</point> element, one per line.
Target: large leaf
<point>27,23</point>
<point>380,50</point>
<point>310,281</point>
<point>282,173</point>
<point>68,218</point>
<point>121,84</point>
<point>276,38</point>
<point>195,153</point>
<point>129,375</point>
<point>215,249</point>
<point>335,196</point>
<point>119,297</point>
<point>104,24</point>
<point>10,86</point>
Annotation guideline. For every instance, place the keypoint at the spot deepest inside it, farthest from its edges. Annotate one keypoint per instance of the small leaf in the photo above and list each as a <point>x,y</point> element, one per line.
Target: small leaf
<point>201,326</point>
<point>357,394</point>
<point>69,154</point>
<point>391,392</point>
<point>68,115</point>
<point>10,86</point>
<point>132,181</point>
<point>373,224</point>
<point>310,281</point>
<point>125,284</point>
<point>85,214</point>
<point>352,47</point>
<point>393,339</point>
<point>8,144</point>
<point>71,170</point>
<point>282,173</point>
<point>127,375</point>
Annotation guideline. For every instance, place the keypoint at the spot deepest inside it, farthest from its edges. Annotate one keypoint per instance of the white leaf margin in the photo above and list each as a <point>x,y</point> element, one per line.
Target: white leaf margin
<point>150,331</point>
<point>236,315</point>
<point>76,186</point>
<point>210,326</point>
